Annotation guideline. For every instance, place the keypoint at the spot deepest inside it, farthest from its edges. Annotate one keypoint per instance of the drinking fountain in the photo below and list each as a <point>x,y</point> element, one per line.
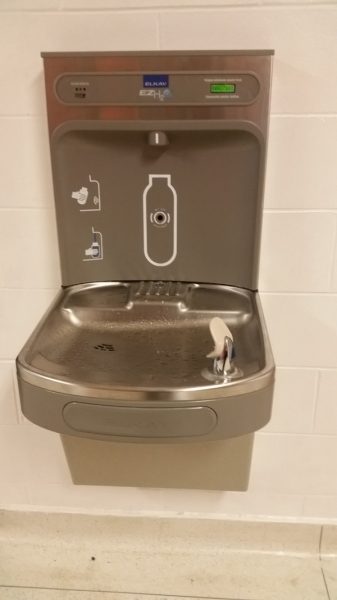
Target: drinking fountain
<point>155,348</point>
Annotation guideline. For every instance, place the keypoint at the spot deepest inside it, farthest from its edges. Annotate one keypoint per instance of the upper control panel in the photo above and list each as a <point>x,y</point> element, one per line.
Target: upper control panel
<point>129,89</point>
<point>169,85</point>
<point>158,163</point>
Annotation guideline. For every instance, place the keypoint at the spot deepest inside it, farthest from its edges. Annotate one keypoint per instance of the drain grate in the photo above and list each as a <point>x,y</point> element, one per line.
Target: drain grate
<point>104,347</point>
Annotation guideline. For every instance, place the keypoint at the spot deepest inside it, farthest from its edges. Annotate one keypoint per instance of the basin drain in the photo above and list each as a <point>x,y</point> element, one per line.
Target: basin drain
<point>105,347</point>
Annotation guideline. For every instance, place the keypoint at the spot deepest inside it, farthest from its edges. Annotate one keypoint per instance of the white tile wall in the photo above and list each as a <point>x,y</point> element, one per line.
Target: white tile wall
<point>32,259</point>
<point>304,40</point>
<point>22,70</point>
<point>320,507</point>
<point>24,152</point>
<point>294,401</point>
<point>187,502</point>
<point>13,494</point>
<point>326,410</point>
<point>303,329</point>
<point>20,310</point>
<point>302,170</point>
<point>294,462</point>
<point>13,455</point>
<point>45,461</point>
<point>8,409</point>
<point>297,251</point>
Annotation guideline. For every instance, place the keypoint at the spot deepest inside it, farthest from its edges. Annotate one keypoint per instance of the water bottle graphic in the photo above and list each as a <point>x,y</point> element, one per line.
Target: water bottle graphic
<point>160,220</point>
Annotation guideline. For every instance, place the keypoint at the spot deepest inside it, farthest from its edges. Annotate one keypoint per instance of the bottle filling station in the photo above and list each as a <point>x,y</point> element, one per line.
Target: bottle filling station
<point>153,363</point>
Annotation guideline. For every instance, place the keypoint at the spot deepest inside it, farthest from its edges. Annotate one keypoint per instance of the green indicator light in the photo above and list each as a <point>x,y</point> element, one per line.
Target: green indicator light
<point>222,88</point>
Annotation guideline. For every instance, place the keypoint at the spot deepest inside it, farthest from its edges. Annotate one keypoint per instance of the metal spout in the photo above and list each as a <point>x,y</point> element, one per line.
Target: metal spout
<point>223,365</point>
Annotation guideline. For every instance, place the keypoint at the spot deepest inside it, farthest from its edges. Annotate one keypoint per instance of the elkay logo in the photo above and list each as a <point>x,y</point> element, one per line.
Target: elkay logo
<point>156,94</point>
<point>155,81</point>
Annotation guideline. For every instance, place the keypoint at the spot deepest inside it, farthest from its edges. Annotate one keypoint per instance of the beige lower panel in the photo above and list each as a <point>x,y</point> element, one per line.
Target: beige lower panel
<point>220,465</point>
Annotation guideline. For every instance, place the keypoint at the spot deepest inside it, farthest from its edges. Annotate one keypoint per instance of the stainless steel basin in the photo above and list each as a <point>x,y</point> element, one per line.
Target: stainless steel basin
<point>128,361</point>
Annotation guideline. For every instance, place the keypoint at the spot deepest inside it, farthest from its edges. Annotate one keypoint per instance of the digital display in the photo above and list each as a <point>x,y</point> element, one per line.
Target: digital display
<point>155,81</point>
<point>222,88</point>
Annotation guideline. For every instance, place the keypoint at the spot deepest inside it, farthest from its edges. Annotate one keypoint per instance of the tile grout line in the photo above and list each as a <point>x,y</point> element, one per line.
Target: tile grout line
<point>304,368</point>
<point>321,562</point>
<point>257,5</point>
<point>16,394</point>
<point>262,293</point>
<point>54,288</point>
<point>303,115</point>
<point>297,434</point>
<point>25,208</point>
<point>315,407</point>
<point>289,293</point>
<point>292,211</point>
<point>40,115</point>
<point>334,254</point>
<point>5,116</point>
<point>158,31</point>
<point>325,584</point>
<point>266,210</point>
<point>320,543</point>
<point>56,589</point>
